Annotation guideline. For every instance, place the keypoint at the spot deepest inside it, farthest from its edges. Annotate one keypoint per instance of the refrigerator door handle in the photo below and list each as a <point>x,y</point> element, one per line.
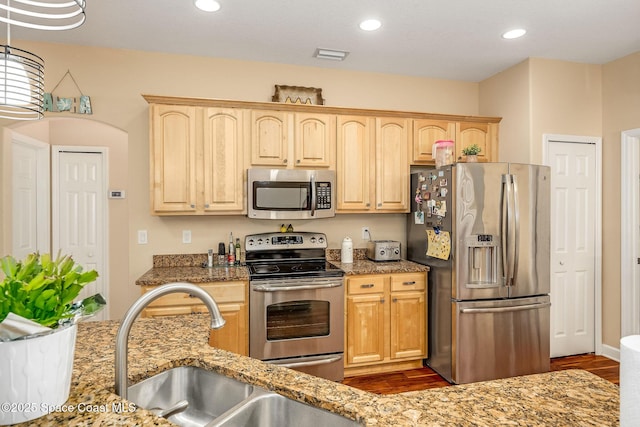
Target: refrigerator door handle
<point>516,222</point>
<point>505,309</point>
<point>504,228</point>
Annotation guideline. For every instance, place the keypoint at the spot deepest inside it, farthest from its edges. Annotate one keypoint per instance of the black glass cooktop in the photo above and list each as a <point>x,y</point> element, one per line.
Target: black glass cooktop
<point>293,269</point>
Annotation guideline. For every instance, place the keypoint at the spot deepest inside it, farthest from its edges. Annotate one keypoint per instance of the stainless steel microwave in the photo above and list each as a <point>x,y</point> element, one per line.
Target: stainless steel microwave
<point>291,193</point>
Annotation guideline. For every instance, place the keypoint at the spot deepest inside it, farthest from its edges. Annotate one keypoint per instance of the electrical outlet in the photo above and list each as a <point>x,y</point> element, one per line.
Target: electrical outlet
<point>365,233</point>
<point>142,237</point>
<point>186,236</point>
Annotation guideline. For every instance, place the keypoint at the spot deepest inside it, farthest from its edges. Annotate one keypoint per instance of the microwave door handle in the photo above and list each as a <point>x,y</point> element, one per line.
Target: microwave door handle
<point>314,198</point>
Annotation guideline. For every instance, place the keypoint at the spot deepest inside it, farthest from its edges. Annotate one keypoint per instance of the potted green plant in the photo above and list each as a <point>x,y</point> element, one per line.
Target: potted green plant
<point>36,368</point>
<point>471,152</point>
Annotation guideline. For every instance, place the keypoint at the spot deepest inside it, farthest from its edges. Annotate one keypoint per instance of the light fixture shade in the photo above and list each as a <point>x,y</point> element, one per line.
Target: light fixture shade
<point>21,84</point>
<point>44,15</point>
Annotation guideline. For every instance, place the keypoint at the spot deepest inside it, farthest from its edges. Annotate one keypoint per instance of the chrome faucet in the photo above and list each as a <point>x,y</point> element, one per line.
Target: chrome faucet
<point>122,337</point>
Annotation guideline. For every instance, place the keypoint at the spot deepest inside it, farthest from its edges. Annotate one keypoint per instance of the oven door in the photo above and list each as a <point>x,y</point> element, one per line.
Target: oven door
<point>296,317</point>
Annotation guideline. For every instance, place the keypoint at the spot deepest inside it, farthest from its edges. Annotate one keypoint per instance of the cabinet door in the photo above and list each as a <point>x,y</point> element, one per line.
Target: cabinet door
<point>315,140</point>
<point>233,336</point>
<point>408,325</point>
<point>366,335</point>
<point>269,142</point>
<point>173,158</point>
<point>425,134</point>
<point>355,160</point>
<point>482,134</point>
<point>223,160</point>
<point>392,165</point>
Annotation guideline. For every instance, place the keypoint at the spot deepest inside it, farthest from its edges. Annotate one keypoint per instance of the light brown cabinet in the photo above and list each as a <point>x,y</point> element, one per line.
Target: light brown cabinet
<point>200,149</point>
<point>232,301</point>
<point>292,140</point>
<point>197,164</point>
<point>485,135</point>
<point>372,164</point>
<point>386,322</point>
<point>425,134</point>
<point>173,158</point>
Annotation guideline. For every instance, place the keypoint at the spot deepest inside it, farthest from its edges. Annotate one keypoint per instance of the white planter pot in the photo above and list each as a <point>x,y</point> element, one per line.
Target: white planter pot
<point>35,375</point>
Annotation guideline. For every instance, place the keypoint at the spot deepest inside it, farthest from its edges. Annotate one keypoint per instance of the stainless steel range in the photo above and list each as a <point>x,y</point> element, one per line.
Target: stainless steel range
<point>296,303</point>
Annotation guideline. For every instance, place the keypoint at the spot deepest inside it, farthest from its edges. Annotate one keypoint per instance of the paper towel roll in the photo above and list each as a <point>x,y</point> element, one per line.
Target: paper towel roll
<point>630,381</point>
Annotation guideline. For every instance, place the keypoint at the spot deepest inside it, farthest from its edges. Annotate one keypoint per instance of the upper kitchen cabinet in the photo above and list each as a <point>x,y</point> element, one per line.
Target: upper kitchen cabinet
<point>485,135</point>
<point>223,166</point>
<point>372,164</point>
<point>269,138</point>
<point>355,163</point>
<point>392,164</point>
<point>425,134</point>
<point>292,140</point>
<point>197,163</point>
<point>173,159</point>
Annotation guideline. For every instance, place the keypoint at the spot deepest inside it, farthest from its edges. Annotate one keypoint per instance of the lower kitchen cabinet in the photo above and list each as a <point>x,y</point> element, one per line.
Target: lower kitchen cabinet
<point>386,322</point>
<point>232,300</point>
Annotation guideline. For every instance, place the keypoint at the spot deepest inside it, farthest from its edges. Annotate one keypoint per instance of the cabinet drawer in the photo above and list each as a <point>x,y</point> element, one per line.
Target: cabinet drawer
<point>222,292</point>
<point>365,285</point>
<point>408,282</point>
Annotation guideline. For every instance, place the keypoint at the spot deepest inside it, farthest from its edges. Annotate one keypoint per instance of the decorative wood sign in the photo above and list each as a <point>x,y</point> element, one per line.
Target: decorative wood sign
<point>78,104</point>
<point>298,95</point>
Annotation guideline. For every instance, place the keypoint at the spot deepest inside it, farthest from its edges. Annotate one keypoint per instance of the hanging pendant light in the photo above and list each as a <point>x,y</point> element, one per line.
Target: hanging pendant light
<point>44,15</point>
<point>21,82</point>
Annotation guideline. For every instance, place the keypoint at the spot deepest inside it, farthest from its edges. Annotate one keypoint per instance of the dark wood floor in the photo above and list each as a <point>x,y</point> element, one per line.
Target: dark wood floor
<point>425,378</point>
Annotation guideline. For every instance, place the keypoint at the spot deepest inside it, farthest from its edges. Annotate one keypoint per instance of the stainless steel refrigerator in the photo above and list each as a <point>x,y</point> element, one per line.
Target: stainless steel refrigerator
<point>483,228</point>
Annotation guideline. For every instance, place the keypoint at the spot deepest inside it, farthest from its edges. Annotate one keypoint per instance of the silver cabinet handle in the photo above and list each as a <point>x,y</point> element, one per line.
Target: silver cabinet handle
<point>381,300</point>
<point>284,161</point>
<point>206,205</point>
<point>193,206</point>
<point>409,283</point>
<point>395,300</point>
<point>367,285</point>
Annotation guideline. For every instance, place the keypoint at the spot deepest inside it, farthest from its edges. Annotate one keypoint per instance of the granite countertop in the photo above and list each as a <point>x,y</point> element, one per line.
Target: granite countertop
<point>576,398</point>
<point>188,268</point>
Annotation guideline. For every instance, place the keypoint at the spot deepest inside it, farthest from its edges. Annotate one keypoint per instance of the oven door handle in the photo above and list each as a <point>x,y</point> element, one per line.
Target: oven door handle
<point>322,361</point>
<point>267,288</point>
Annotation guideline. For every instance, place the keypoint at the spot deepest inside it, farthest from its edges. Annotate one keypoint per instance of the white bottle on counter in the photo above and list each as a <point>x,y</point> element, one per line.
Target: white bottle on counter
<point>346,254</point>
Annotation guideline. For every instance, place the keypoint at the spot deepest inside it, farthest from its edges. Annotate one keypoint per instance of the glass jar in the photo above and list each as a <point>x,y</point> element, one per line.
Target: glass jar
<point>444,153</point>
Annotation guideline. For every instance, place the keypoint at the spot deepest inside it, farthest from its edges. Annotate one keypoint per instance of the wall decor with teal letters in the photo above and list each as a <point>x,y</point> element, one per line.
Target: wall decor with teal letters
<point>80,104</point>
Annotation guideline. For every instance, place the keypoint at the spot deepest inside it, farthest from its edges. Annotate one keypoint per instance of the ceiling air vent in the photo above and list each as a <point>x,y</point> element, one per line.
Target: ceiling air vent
<point>334,55</point>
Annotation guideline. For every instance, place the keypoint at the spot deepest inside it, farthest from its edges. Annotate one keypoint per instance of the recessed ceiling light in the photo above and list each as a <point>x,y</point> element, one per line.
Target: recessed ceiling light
<point>370,25</point>
<point>514,34</point>
<point>207,5</point>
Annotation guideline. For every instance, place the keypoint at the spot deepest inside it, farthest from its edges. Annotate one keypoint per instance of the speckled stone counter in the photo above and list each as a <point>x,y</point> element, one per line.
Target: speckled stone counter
<point>364,266</point>
<point>161,275</point>
<point>565,398</point>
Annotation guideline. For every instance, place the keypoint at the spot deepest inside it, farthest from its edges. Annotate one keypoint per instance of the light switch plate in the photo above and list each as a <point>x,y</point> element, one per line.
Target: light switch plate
<point>142,237</point>
<point>186,236</point>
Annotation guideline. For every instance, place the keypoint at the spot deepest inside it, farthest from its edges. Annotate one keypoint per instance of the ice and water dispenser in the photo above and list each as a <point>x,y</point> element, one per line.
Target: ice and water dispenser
<point>482,253</point>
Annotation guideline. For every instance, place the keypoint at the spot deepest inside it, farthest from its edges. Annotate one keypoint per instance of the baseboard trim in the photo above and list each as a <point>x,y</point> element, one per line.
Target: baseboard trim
<point>611,352</point>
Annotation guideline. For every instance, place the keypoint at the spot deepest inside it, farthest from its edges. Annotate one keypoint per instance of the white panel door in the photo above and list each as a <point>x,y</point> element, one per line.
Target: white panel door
<point>30,197</point>
<point>79,221</point>
<point>573,206</point>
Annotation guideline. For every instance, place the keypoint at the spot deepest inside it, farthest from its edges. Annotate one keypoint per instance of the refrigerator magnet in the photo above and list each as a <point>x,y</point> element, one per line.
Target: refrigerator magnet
<point>443,182</point>
<point>443,192</point>
<point>418,217</point>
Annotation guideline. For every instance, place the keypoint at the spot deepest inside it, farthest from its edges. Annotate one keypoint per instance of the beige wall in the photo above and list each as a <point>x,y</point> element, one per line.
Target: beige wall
<point>507,95</point>
<point>115,79</point>
<point>621,111</point>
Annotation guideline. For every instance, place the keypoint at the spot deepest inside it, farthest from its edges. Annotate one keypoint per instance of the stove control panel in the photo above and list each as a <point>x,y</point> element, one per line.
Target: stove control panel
<point>274,241</point>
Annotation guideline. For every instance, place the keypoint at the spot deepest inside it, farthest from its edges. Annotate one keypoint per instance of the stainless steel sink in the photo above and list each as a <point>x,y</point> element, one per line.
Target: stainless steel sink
<point>190,396</point>
<point>208,395</point>
<point>266,409</point>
